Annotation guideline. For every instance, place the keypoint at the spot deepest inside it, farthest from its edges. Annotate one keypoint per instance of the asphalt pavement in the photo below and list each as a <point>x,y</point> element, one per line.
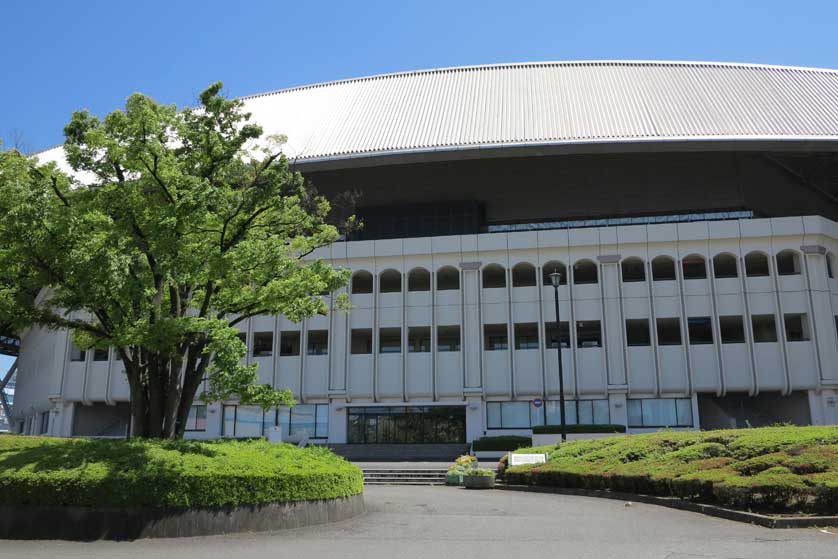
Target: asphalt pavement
<point>446,522</point>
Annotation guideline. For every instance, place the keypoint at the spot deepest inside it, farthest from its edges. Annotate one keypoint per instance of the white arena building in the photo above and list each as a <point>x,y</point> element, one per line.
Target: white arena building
<point>691,208</point>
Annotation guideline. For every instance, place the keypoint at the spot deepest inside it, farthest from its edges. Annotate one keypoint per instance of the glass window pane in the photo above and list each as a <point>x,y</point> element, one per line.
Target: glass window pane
<point>201,418</point>
<point>493,415</point>
<point>536,415</point>
<point>285,420</point>
<point>321,429</point>
<point>302,420</point>
<point>570,415</point>
<point>659,413</point>
<point>229,427</point>
<point>248,421</point>
<point>635,413</point>
<point>586,412</point>
<point>684,411</point>
<point>515,415</point>
<point>268,420</point>
<point>602,414</point>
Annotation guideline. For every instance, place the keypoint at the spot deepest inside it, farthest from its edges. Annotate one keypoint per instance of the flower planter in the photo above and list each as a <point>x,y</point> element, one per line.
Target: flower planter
<point>453,478</point>
<point>478,482</point>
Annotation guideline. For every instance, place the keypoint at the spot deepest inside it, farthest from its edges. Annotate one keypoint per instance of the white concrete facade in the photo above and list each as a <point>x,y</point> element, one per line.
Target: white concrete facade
<point>734,356</point>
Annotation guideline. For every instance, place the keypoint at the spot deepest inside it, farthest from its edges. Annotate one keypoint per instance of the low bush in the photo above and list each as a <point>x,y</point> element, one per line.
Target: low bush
<point>579,429</point>
<point>483,472</point>
<point>120,473</point>
<point>777,469</point>
<point>501,443</point>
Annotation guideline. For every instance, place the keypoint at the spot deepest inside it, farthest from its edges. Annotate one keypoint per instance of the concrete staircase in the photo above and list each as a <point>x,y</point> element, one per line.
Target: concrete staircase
<point>404,476</point>
<point>445,453</point>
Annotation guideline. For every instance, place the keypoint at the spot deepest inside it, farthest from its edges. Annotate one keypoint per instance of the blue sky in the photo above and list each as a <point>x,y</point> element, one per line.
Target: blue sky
<point>61,56</point>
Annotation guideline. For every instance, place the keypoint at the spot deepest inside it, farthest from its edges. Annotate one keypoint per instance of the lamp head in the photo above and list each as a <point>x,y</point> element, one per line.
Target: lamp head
<point>556,278</point>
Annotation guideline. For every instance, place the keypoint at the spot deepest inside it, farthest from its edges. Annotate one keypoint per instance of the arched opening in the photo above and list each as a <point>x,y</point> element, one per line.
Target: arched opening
<point>724,266</point>
<point>494,275</point>
<point>361,282</point>
<point>633,269</point>
<point>585,271</point>
<point>663,268</point>
<point>447,278</point>
<point>694,267</point>
<point>523,275</point>
<point>788,263</point>
<point>391,281</point>
<point>756,265</point>
<point>553,266</point>
<point>419,279</point>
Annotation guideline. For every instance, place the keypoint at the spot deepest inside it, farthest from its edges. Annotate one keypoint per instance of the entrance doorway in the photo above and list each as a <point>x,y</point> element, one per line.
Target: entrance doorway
<point>407,424</point>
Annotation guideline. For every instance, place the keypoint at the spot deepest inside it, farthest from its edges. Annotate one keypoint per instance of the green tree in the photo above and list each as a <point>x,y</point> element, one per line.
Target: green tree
<point>175,226</point>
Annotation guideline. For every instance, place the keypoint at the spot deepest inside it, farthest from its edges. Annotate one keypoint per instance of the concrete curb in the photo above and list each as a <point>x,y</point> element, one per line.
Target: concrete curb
<point>87,523</point>
<point>675,503</point>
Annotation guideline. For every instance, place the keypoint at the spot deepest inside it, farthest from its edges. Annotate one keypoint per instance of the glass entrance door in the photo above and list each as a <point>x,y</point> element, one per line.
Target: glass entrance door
<point>408,424</point>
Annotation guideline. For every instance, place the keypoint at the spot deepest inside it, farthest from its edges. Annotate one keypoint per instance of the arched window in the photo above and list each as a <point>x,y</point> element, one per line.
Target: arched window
<point>633,269</point>
<point>361,282</point>
<point>419,279</point>
<point>724,266</point>
<point>584,271</point>
<point>553,266</point>
<point>494,275</point>
<point>523,275</point>
<point>663,268</point>
<point>756,264</point>
<point>447,278</point>
<point>391,281</point>
<point>788,263</point>
<point>694,267</point>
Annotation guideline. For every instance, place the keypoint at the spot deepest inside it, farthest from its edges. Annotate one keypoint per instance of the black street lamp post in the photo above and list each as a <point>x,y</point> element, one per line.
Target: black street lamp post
<point>556,280</point>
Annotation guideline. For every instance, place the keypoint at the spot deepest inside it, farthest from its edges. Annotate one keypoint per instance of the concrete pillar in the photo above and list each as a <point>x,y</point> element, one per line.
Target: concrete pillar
<point>337,421</point>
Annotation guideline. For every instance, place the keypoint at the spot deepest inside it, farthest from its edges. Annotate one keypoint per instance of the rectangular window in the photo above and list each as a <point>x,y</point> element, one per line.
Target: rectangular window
<point>669,331</point>
<point>242,421</point>
<point>289,343</point>
<point>318,342</point>
<point>523,415</point>
<point>390,340</point>
<point>448,338</point>
<point>797,327</point>
<point>765,328</point>
<point>526,335</point>
<point>732,329</point>
<point>100,354</point>
<point>660,412</point>
<point>495,337</point>
<point>588,334</point>
<point>361,343</point>
<point>197,418</point>
<point>263,344</point>
<point>700,329</point>
<point>76,353</point>
<point>309,420</point>
<point>637,332</point>
<point>553,335</point>
<point>419,339</point>
<point>44,425</point>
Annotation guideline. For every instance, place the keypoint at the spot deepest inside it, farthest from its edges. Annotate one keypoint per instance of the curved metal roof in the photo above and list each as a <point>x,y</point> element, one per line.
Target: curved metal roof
<point>550,103</point>
<point>542,106</point>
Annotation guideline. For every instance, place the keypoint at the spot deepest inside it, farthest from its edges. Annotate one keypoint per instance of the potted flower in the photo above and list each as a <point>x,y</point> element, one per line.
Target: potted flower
<point>461,467</point>
<point>479,478</point>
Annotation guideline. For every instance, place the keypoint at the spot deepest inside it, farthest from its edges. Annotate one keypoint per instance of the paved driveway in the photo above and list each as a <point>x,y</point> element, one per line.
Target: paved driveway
<point>443,522</point>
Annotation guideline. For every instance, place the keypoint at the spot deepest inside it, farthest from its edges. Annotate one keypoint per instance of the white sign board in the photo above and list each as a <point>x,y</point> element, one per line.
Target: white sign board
<point>518,459</point>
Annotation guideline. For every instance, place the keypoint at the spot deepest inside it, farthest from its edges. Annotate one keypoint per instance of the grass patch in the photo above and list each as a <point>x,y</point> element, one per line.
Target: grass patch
<point>776,469</point>
<point>134,473</point>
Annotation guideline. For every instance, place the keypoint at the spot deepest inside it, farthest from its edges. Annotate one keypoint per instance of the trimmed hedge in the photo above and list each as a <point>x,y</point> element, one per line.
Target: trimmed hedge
<point>138,473</point>
<point>501,443</point>
<point>579,429</point>
<point>783,469</point>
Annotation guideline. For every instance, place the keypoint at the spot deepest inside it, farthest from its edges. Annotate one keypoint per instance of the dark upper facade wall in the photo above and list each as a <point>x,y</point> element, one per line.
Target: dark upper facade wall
<point>577,186</point>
